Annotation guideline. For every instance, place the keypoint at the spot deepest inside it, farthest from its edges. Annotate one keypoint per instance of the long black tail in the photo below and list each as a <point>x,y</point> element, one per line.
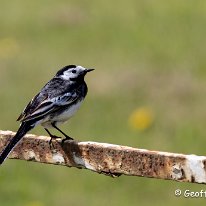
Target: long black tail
<point>23,129</point>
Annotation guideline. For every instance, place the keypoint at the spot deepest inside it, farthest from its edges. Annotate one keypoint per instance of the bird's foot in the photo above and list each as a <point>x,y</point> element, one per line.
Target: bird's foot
<point>51,144</point>
<point>67,138</point>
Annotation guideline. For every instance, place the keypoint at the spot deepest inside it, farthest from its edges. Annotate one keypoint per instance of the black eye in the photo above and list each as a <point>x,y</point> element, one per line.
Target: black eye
<point>74,71</point>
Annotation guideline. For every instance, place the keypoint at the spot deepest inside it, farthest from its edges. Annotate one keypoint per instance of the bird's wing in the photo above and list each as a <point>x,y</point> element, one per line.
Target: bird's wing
<point>50,105</point>
<point>52,96</point>
<point>31,106</point>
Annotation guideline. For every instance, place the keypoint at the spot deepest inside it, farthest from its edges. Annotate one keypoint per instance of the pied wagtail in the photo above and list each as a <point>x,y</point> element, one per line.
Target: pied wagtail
<point>57,101</point>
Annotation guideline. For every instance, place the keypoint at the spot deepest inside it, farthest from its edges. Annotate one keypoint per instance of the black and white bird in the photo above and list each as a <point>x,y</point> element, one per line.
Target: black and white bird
<point>56,103</point>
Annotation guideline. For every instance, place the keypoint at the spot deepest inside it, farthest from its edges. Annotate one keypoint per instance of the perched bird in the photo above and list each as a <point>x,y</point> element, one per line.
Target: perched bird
<point>57,101</point>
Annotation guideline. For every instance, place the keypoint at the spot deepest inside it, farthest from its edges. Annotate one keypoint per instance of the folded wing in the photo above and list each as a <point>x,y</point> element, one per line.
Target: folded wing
<point>50,106</point>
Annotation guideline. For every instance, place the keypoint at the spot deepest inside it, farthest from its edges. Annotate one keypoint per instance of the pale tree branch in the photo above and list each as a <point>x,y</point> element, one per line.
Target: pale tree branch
<point>109,159</point>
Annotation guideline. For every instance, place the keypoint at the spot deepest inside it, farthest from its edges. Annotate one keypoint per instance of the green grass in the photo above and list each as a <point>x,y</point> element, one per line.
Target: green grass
<point>145,54</point>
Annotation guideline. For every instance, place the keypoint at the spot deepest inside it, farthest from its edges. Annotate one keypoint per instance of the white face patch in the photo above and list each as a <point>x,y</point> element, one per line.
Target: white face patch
<point>72,73</point>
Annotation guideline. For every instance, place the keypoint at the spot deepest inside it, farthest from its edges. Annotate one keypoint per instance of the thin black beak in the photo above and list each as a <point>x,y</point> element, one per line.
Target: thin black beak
<point>88,70</point>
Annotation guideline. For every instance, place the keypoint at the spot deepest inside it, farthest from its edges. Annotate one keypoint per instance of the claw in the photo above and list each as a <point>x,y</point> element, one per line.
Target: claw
<point>53,137</point>
<point>65,139</point>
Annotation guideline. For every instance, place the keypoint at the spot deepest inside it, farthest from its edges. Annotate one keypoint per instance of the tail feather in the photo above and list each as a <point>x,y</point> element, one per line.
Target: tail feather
<point>23,129</point>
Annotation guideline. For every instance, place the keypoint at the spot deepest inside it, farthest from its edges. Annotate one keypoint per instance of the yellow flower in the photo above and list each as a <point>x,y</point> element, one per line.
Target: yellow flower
<point>8,47</point>
<point>141,118</point>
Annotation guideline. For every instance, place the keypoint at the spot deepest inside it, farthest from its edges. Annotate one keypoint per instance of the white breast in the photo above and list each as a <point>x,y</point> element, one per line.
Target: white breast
<point>68,113</point>
<point>60,118</point>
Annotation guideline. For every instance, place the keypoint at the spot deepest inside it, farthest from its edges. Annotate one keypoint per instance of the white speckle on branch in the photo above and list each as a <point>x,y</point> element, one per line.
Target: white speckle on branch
<point>82,162</point>
<point>196,169</point>
<point>58,158</point>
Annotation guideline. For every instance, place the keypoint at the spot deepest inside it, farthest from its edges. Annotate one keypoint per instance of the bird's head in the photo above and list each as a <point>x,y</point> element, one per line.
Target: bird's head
<point>73,72</point>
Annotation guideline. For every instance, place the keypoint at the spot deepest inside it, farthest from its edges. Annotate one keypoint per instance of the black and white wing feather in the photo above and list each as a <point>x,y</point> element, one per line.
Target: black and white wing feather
<point>48,102</point>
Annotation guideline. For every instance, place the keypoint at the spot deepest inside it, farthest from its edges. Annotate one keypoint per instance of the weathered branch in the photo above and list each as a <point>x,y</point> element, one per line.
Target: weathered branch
<point>109,159</point>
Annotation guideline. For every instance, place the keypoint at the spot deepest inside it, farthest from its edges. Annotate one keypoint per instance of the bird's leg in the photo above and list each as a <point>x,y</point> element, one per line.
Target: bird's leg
<point>52,137</point>
<point>66,136</point>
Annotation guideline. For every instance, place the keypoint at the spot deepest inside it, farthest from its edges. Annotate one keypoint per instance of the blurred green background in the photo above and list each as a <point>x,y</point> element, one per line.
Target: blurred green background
<point>148,91</point>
